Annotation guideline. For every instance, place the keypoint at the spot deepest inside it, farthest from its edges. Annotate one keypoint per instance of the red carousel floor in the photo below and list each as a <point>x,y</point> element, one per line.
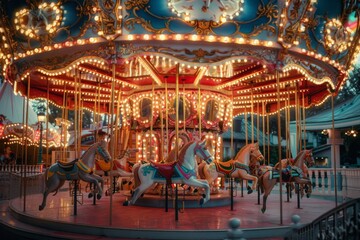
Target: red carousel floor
<point>109,218</point>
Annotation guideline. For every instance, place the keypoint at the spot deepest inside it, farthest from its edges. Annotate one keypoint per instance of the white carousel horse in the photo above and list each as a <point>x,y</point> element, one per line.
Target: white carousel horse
<point>183,171</point>
<point>236,168</point>
<point>119,166</point>
<point>58,173</point>
<point>269,178</point>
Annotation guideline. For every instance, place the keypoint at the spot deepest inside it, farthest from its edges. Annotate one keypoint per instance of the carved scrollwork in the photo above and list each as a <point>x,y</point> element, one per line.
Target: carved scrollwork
<point>139,13</point>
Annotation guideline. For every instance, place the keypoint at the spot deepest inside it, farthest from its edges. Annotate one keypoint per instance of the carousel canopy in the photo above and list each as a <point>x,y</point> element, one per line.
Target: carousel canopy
<point>264,55</point>
<point>346,115</point>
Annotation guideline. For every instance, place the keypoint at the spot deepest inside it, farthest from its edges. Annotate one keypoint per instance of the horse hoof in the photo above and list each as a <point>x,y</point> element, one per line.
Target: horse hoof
<point>308,195</point>
<point>90,195</point>
<point>250,191</point>
<point>202,202</point>
<point>126,203</point>
<point>263,210</point>
<point>98,196</point>
<point>41,208</point>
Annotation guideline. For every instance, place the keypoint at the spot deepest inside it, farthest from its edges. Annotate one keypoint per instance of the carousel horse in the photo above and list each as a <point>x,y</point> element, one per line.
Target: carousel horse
<point>119,166</point>
<point>59,172</point>
<point>236,168</point>
<point>183,171</point>
<point>286,167</point>
<point>294,173</point>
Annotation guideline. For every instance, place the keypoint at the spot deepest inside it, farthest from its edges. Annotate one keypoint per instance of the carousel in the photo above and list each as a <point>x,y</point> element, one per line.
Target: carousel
<point>171,76</point>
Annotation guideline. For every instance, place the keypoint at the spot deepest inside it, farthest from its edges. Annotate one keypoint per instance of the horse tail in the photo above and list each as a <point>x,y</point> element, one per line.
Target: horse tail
<point>135,170</point>
<point>201,168</point>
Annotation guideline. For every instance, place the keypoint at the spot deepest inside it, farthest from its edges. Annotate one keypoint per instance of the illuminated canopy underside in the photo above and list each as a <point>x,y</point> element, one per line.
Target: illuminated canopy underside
<point>239,57</point>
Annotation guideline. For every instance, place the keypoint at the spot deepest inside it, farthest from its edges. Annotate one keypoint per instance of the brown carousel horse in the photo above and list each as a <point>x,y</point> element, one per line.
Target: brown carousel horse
<point>236,168</point>
<point>293,173</point>
<point>286,165</point>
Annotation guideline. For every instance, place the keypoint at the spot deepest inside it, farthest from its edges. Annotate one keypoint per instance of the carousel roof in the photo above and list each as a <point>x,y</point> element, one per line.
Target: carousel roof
<point>262,54</point>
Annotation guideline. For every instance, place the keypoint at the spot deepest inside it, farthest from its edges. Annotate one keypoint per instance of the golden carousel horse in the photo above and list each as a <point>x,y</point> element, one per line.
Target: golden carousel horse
<point>236,168</point>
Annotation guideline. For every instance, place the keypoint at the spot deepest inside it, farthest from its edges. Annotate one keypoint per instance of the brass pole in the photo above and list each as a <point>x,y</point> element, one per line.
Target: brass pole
<point>252,115</point>
<point>76,123</point>
<point>199,110</point>
<point>304,121</point>
<point>167,118</point>
<point>279,141</point>
<point>297,119</point>
<point>263,127</point>
<point>232,149</point>
<point>151,118</point>
<point>333,146</point>
<point>184,103</point>
<point>26,141</point>
<point>117,122</point>
<point>258,123</point>
<point>112,136</point>
<point>246,126</point>
<point>268,141</point>
<point>177,112</point>
<point>47,121</point>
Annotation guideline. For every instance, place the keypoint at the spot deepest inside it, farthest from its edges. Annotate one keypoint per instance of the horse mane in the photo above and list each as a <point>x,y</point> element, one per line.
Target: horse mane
<point>170,157</point>
<point>87,150</point>
<point>183,151</point>
<point>300,155</point>
<point>241,151</point>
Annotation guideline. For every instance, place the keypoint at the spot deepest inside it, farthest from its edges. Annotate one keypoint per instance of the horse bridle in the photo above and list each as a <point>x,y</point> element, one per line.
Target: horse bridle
<point>256,157</point>
<point>205,158</point>
<point>102,153</point>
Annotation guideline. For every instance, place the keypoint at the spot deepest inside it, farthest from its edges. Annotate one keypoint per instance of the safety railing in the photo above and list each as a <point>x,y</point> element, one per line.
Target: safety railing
<point>12,177</point>
<point>347,179</point>
<point>21,168</point>
<point>342,222</point>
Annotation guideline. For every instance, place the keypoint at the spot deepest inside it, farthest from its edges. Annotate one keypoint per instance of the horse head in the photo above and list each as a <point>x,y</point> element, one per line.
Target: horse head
<point>309,159</point>
<point>202,152</point>
<point>101,149</point>
<point>255,154</point>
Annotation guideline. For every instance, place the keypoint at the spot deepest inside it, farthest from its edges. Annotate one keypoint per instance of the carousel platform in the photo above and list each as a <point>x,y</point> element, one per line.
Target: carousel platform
<point>115,221</point>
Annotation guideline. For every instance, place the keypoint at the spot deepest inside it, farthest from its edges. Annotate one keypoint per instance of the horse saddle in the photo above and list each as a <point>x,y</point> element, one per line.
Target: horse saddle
<point>166,170</point>
<point>227,168</point>
<point>286,174</point>
<point>67,166</point>
<point>105,166</point>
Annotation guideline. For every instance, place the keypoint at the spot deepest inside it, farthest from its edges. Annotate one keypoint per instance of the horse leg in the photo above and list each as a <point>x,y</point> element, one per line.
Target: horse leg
<point>91,179</point>
<point>305,182</point>
<point>247,177</point>
<point>268,186</point>
<point>139,191</point>
<point>201,183</point>
<point>100,187</point>
<point>51,185</point>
